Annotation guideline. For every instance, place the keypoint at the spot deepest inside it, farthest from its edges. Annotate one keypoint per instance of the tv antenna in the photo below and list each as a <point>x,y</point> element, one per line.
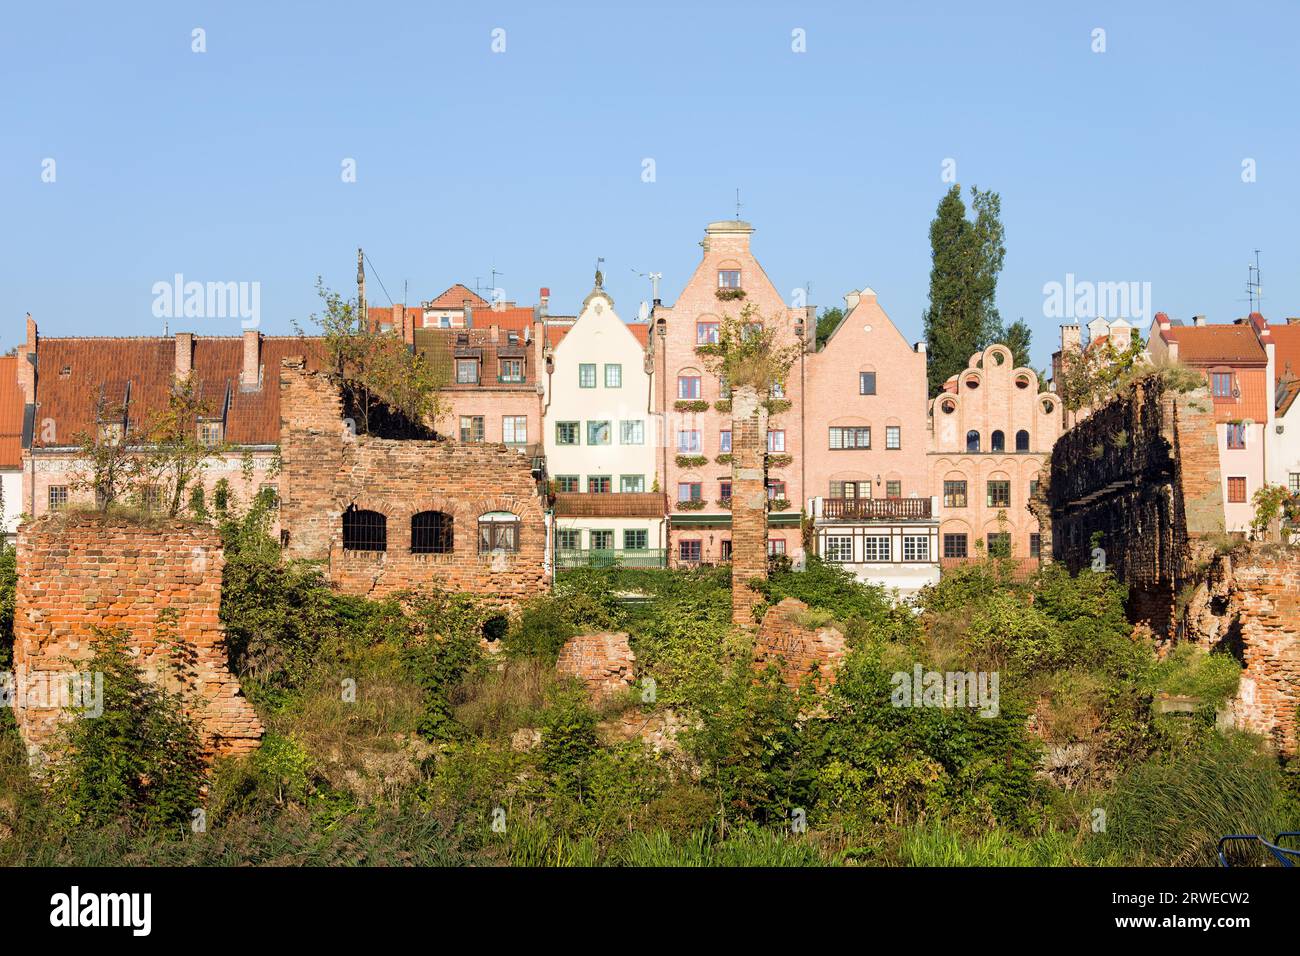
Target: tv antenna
<point>1254,291</point>
<point>654,278</point>
<point>737,204</point>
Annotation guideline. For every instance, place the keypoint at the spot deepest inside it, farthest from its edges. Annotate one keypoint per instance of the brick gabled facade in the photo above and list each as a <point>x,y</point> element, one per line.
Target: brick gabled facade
<point>679,328</point>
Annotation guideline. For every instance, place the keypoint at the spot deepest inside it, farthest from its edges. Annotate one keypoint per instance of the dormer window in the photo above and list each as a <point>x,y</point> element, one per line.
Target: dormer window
<point>466,371</point>
<point>728,278</point>
<point>512,370</point>
<point>1221,384</point>
<point>210,434</point>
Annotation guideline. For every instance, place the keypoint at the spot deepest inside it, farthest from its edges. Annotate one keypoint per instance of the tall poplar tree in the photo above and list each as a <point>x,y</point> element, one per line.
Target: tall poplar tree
<point>966,260</point>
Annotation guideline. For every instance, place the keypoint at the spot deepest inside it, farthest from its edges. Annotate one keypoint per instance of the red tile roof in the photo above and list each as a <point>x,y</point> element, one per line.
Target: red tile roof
<point>648,504</point>
<point>442,346</point>
<point>11,414</point>
<point>1286,357</point>
<point>454,298</point>
<point>72,372</point>
<point>1216,344</point>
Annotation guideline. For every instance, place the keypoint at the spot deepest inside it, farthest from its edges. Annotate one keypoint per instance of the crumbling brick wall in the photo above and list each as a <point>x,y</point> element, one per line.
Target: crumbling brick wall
<point>748,502</point>
<point>787,639</point>
<point>1141,476</point>
<point>326,468</point>
<point>1248,604</point>
<point>159,583</point>
<point>604,663</point>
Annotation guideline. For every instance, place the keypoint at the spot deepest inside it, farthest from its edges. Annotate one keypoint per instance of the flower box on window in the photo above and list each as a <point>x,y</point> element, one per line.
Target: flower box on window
<point>779,461</point>
<point>688,406</point>
<point>777,504</point>
<point>730,295</point>
<point>775,406</point>
<point>691,504</point>
<point>691,461</point>
<point>723,460</point>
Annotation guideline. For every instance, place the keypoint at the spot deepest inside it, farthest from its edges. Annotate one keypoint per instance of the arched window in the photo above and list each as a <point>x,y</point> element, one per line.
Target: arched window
<point>972,441</point>
<point>498,531</point>
<point>364,530</point>
<point>998,441</point>
<point>431,533</point>
<point>1022,440</point>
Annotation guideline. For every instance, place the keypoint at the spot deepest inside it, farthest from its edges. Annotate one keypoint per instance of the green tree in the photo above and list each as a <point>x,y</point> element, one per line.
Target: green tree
<point>1016,337</point>
<point>827,323</point>
<point>966,260</point>
<point>175,454</point>
<point>378,369</point>
<point>105,462</point>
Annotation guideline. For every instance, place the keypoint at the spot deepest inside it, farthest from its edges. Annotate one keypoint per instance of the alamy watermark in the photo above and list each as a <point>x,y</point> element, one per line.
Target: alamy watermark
<point>977,690</point>
<point>1083,299</point>
<point>82,691</point>
<point>179,299</point>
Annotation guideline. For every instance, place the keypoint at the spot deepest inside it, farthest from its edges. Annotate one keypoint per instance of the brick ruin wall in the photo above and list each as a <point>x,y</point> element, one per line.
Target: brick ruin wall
<point>82,571</point>
<point>1143,470</point>
<point>1141,475</point>
<point>1249,605</point>
<point>325,469</point>
<point>748,502</point>
<point>604,663</point>
<point>787,639</point>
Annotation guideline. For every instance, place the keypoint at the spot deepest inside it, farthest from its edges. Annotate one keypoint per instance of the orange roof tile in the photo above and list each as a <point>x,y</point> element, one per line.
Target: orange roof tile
<point>454,298</point>
<point>11,414</point>
<point>647,504</point>
<point>1217,344</point>
<point>73,372</point>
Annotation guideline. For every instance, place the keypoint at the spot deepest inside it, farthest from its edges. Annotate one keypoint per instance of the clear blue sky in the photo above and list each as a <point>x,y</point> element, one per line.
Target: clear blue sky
<point>225,165</point>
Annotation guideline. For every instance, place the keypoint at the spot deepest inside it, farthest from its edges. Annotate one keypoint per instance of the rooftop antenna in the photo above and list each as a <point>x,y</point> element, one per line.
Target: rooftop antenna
<point>1254,291</point>
<point>737,204</point>
<point>654,278</point>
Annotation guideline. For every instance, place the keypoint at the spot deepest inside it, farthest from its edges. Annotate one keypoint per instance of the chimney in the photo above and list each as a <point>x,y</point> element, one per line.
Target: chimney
<point>407,317</point>
<point>184,355</point>
<point>27,363</point>
<point>851,300</point>
<point>1198,321</point>
<point>544,301</point>
<point>1071,338</point>
<point>469,313</point>
<point>251,375</point>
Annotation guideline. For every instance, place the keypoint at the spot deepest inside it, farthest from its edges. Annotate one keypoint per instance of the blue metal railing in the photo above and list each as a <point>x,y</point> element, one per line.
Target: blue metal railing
<point>1284,855</point>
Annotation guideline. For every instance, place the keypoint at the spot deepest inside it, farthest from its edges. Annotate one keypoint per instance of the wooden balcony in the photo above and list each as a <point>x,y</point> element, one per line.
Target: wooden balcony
<point>875,509</point>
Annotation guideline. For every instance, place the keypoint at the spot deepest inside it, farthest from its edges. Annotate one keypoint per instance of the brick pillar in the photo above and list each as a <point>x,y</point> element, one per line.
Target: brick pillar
<point>748,501</point>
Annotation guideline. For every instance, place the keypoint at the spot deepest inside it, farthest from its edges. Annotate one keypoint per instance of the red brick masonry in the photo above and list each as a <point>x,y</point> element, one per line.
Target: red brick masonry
<point>77,571</point>
<point>325,469</point>
<point>603,662</point>
<point>798,649</point>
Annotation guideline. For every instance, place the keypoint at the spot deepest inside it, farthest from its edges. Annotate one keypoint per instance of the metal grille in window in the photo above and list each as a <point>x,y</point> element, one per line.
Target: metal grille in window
<point>364,530</point>
<point>498,532</point>
<point>432,533</point>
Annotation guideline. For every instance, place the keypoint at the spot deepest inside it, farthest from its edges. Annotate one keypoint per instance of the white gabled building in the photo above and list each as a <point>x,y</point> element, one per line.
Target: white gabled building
<point>602,440</point>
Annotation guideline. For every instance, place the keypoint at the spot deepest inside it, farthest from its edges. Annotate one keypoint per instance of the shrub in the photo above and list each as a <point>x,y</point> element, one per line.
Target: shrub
<point>1172,810</point>
<point>139,761</point>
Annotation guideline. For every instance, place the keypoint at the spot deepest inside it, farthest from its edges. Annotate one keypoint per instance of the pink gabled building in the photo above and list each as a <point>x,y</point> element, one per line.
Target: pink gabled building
<point>992,432</point>
<point>865,442</point>
<point>694,461</point>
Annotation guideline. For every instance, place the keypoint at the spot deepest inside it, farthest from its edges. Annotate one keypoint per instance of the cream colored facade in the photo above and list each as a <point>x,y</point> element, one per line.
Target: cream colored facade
<point>600,436</point>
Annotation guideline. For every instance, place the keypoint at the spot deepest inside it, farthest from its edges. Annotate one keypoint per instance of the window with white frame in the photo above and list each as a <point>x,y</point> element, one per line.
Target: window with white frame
<point>875,548</point>
<point>839,548</point>
<point>916,547</point>
<point>631,433</point>
<point>514,429</point>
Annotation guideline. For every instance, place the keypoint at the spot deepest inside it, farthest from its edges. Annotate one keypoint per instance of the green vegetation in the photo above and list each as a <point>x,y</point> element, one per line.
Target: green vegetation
<point>394,737</point>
